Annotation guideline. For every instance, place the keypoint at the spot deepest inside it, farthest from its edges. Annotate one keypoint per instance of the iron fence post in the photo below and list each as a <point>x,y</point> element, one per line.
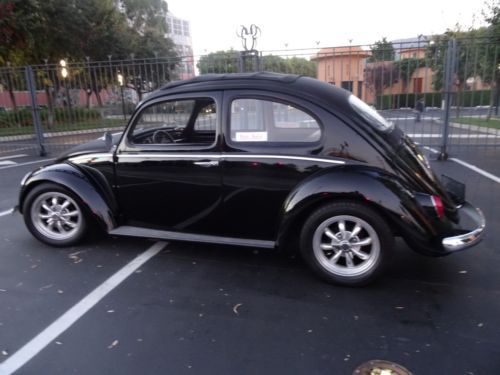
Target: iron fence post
<point>35,111</point>
<point>449,75</point>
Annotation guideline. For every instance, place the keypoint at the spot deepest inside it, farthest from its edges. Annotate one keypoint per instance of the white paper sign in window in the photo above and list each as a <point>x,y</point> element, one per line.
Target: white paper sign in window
<point>251,137</point>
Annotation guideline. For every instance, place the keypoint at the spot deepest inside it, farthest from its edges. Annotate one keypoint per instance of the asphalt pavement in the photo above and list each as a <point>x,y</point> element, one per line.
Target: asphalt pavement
<point>219,309</point>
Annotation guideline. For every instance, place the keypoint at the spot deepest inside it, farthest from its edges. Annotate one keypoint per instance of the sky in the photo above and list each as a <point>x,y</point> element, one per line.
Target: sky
<point>307,24</point>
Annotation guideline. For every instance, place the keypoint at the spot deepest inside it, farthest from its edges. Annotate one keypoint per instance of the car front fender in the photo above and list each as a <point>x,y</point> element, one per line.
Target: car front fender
<point>366,185</point>
<point>73,178</point>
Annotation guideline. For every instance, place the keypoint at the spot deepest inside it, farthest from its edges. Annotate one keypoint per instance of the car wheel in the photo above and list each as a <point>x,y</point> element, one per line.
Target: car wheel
<point>346,243</point>
<point>54,215</point>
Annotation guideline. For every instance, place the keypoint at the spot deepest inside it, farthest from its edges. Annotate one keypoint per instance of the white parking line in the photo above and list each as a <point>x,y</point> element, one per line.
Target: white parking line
<point>27,163</point>
<point>7,162</point>
<point>13,156</point>
<point>478,170</point>
<point>470,166</point>
<point>49,334</point>
<point>7,212</point>
<point>460,136</point>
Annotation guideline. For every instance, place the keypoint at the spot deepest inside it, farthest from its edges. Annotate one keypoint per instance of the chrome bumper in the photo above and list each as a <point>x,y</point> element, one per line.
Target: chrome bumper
<point>465,240</point>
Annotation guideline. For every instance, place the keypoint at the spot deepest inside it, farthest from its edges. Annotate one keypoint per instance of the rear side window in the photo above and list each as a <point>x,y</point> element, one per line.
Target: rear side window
<point>370,114</point>
<point>257,120</point>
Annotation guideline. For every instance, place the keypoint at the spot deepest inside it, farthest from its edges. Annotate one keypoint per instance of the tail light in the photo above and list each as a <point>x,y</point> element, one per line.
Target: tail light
<point>438,205</point>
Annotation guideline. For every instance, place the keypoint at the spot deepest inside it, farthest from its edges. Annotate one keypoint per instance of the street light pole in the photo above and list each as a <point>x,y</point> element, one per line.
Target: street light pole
<point>120,81</point>
<point>64,74</point>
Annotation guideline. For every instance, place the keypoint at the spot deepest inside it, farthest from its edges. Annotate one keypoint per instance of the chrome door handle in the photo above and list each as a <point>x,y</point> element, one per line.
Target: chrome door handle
<point>207,163</point>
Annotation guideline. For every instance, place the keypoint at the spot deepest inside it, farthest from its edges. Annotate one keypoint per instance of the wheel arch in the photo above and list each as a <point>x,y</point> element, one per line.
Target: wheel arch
<point>367,186</point>
<point>95,201</point>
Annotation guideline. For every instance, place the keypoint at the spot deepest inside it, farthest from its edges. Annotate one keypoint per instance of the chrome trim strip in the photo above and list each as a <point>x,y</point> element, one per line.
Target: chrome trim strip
<point>191,237</point>
<point>229,156</point>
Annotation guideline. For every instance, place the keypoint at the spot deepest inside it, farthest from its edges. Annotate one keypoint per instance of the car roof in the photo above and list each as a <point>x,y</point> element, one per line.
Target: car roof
<point>267,76</point>
<point>316,91</point>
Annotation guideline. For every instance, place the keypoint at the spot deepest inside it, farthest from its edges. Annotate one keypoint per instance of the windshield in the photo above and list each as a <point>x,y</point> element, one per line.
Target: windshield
<point>370,114</point>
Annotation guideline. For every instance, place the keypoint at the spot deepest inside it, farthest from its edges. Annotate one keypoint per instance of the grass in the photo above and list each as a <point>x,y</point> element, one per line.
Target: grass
<point>493,122</point>
<point>61,127</point>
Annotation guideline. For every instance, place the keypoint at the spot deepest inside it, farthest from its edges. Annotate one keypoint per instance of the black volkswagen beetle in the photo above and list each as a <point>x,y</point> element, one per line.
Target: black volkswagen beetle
<point>263,160</point>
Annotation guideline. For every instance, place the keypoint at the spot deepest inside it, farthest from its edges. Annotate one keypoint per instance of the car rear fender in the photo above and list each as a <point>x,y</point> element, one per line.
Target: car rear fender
<point>366,185</point>
<point>95,200</point>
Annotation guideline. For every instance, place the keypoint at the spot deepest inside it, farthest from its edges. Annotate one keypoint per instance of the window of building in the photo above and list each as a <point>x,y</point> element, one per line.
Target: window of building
<point>185,26</point>
<point>347,85</point>
<point>255,120</point>
<point>177,27</point>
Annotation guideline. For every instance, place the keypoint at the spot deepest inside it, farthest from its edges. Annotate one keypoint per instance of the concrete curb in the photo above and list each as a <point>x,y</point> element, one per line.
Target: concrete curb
<point>9,138</point>
<point>475,128</point>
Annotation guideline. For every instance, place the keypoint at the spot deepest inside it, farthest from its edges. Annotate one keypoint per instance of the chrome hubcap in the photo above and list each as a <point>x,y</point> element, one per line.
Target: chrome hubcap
<point>56,215</point>
<point>346,245</point>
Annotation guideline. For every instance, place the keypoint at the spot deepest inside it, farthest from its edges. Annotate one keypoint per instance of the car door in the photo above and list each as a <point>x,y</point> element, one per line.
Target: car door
<point>167,165</point>
<point>270,143</point>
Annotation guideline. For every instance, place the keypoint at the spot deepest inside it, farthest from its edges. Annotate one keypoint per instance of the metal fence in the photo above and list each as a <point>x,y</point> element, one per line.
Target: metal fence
<point>444,93</point>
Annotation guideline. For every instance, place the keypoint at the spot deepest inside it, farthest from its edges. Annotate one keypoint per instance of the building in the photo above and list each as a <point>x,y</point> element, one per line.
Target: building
<point>179,30</point>
<point>344,67</point>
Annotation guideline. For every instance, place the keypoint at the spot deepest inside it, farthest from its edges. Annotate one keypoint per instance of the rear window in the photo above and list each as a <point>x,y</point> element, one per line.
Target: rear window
<point>370,114</point>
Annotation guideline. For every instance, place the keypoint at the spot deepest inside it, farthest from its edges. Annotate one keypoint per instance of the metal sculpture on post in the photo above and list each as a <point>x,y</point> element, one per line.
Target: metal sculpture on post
<point>249,54</point>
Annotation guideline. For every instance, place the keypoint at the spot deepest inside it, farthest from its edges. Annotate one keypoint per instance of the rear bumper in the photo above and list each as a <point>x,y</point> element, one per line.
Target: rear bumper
<point>466,238</point>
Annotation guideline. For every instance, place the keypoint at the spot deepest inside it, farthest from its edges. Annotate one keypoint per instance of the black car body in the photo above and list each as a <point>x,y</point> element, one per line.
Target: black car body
<point>260,160</point>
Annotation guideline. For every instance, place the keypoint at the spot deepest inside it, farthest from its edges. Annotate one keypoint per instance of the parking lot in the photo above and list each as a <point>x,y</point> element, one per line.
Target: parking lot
<point>213,309</point>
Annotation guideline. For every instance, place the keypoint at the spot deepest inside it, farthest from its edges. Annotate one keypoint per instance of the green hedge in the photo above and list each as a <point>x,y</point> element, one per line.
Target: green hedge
<point>23,116</point>
<point>433,99</point>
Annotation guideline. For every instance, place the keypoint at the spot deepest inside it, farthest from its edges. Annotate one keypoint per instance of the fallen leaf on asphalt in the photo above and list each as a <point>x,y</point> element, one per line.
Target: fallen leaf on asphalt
<point>74,256</point>
<point>60,291</point>
<point>3,290</point>
<point>34,266</point>
<point>236,307</point>
<point>110,311</point>
<point>46,287</point>
<point>480,325</point>
<point>4,352</point>
<point>462,271</point>
<point>58,342</point>
<point>309,331</point>
<point>113,344</point>
<point>399,307</point>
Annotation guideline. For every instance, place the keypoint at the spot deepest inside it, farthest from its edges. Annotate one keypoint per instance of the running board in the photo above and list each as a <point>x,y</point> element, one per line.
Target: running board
<point>169,235</point>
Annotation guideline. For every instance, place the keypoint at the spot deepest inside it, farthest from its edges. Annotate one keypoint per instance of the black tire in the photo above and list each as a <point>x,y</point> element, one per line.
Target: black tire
<point>72,218</point>
<point>326,248</point>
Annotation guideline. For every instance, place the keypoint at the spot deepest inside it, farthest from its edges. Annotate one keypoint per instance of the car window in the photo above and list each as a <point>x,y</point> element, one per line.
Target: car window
<point>186,121</point>
<point>207,118</point>
<point>257,120</point>
<point>370,114</point>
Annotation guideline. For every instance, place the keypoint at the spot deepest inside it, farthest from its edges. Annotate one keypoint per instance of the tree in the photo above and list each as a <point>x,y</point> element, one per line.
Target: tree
<point>299,65</point>
<point>219,62</point>
<point>380,75</point>
<point>405,68</point>
<point>228,62</point>
<point>476,57</point>
<point>382,50</point>
<point>36,31</point>
<point>33,31</point>
<point>492,17</point>
<point>146,15</point>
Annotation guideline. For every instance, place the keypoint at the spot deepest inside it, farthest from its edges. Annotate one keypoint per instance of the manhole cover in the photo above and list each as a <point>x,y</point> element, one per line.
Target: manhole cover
<point>380,367</point>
